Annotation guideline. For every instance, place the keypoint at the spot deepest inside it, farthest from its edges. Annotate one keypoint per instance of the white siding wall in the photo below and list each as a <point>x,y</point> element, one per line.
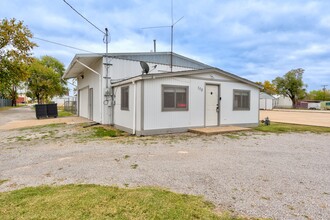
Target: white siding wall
<point>122,69</point>
<point>154,118</point>
<point>266,104</point>
<point>124,118</point>
<point>91,80</point>
<point>228,116</point>
<point>283,102</point>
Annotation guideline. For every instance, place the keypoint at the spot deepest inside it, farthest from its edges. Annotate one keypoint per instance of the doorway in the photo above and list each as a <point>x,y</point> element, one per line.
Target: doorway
<point>212,105</point>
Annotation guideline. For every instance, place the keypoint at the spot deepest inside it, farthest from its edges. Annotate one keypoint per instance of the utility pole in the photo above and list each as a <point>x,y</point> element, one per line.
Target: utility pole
<point>109,92</point>
<point>108,85</point>
<point>324,90</point>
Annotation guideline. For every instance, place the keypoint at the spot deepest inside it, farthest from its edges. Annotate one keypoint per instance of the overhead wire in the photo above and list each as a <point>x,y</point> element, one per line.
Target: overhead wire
<point>63,45</point>
<point>84,17</point>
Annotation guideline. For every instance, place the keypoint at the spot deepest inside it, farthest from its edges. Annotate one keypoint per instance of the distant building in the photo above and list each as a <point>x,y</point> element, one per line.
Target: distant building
<point>266,101</point>
<point>282,101</point>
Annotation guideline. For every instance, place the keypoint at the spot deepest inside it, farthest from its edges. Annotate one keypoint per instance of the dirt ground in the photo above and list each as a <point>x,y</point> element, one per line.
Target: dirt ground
<point>307,117</point>
<point>24,117</point>
<point>282,176</point>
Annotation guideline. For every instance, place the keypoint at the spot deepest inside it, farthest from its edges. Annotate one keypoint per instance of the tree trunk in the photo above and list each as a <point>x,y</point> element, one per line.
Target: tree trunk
<point>294,103</point>
<point>38,99</point>
<point>13,96</point>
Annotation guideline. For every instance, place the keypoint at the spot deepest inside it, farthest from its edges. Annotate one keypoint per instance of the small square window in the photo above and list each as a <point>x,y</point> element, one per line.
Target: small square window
<point>241,100</point>
<point>174,98</point>
<point>124,98</point>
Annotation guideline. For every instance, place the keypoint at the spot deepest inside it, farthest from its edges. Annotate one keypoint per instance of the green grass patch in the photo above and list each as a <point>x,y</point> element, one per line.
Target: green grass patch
<point>3,181</point>
<point>276,127</point>
<point>100,132</point>
<point>62,113</point>
<point>102,202</point>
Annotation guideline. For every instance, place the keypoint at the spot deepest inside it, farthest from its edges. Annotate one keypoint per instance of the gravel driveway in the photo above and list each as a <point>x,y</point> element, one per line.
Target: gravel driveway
<point>278,176</point>
<point>16,114</point>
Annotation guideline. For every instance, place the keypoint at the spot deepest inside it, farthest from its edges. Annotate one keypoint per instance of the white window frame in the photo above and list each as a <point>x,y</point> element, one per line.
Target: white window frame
<point>175,87</point>
<point>242,92</point>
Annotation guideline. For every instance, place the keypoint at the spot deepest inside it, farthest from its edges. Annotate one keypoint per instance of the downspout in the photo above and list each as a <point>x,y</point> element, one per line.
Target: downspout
<point>134,107</point>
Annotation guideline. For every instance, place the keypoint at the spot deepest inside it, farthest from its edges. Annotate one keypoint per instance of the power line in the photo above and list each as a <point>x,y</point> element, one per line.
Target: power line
<point>63,45</point>
<point>106,41</point>
<point>84,17</point>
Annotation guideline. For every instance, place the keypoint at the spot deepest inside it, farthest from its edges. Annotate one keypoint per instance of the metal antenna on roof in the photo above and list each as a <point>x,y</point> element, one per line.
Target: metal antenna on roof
<point>172,30</point>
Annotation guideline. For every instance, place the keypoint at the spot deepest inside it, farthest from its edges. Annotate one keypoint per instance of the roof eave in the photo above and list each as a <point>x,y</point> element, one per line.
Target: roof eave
<point>185,73</point>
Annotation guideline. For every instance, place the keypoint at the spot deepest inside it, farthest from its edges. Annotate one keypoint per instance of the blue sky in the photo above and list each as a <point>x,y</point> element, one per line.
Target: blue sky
<point>255,39</point>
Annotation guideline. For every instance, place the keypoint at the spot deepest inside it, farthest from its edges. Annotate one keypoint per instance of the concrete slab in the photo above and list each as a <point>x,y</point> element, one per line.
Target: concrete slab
<point>38,122</point>
<point>218,130</point>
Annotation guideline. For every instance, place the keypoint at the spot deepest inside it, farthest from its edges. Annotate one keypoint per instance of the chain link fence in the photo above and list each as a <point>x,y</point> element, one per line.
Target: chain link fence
<point>70,106</point>
<point>5,102</point>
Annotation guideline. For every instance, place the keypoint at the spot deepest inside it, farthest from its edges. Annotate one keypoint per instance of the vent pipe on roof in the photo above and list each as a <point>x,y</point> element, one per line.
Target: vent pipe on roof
<point>154,46</point>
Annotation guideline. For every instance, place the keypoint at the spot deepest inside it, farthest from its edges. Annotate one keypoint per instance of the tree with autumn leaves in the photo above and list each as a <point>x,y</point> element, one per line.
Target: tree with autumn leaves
<point>290,85</point>
<point>43,76</point>
<point>268,87</point>
<point>15,56</point>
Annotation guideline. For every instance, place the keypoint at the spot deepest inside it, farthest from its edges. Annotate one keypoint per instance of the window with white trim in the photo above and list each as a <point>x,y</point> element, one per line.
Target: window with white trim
<point>241,99</point>
<point>174,98</point>
<point>124,98</point>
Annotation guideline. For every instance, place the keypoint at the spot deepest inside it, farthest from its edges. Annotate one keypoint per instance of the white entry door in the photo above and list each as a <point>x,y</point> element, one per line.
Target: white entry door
<point>211,105</point>
<point>84,102</point>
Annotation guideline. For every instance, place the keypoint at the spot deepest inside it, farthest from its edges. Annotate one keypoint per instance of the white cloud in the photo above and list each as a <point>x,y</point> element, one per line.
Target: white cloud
<point>257,39</point>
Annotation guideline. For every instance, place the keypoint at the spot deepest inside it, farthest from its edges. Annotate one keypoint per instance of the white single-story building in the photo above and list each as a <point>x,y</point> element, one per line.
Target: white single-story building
<point>60,101</point>
<point>282,101</point>
<point>266,101</point>
<point>167,99</point>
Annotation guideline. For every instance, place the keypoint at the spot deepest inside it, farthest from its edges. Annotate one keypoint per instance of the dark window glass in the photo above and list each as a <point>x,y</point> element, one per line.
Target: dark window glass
<point>169,101</point>
<point>175,98</point>
<point>241,100</point>
<point>124,98</point>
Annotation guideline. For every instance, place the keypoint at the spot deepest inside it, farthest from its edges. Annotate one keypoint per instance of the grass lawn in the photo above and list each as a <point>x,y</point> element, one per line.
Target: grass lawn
<point>103,202</point>
<point>62,113</point>
<point>100,132</point>
<point>276,127</point>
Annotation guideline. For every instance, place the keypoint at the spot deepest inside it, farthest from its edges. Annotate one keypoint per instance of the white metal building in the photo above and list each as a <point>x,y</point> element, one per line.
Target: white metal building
<point>192,95</point>
<point>282,101</point>
<point>266,101</point>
